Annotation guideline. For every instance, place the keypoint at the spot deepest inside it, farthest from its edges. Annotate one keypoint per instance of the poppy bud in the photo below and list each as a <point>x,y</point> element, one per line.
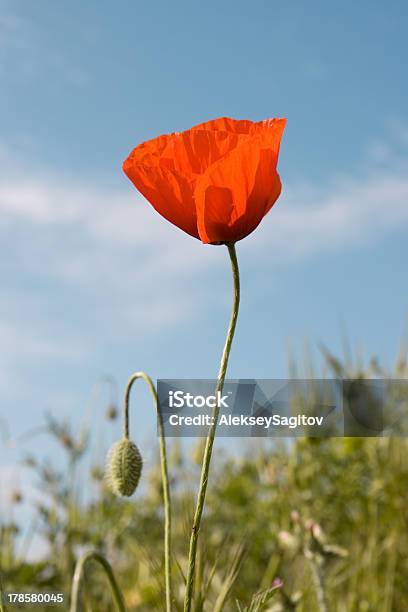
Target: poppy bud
<point>16,497</point>
<point>124,467</point>
<point>111,412</point>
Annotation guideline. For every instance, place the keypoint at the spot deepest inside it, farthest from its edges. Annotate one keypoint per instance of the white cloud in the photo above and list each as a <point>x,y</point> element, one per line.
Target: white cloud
<point>306,219</point>
<point>28,340</point>
<point>347,214</point>
<point>132,272</point>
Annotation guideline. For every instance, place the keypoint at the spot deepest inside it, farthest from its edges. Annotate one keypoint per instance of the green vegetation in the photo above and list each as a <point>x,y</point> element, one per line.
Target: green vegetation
<point>307,525</point>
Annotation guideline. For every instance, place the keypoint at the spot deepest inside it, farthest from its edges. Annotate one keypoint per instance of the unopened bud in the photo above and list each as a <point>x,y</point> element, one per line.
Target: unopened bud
<point>111,412</point>
<point>16,497</point>
<point>124,467</point>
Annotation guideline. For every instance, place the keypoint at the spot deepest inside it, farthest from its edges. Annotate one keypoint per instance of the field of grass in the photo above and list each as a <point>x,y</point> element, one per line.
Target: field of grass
<point>314,524</point>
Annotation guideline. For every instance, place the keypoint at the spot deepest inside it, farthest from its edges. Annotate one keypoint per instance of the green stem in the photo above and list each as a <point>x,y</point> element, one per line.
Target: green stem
<point>78,575</point>
<point>318,579</point>
<point>2,604</point>
<point>165,476</point>
<point>188,600</point>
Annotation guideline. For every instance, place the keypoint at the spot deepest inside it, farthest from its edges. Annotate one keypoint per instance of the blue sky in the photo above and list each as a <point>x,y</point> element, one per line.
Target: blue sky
<point>93,281</point>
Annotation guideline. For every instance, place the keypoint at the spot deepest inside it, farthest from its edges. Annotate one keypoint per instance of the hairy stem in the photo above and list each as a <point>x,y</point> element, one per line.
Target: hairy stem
<point>188,601</point>
<point>78,576</point>
<point>164,473</point>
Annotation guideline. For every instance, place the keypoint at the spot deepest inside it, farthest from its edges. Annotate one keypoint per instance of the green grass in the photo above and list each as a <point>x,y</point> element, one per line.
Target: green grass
<point>328,517</point>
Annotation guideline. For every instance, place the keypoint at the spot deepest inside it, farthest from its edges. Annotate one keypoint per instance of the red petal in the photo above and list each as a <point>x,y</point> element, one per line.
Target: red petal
<point>220,176</point>
<point>193,151</point>
<point>226,124</point>
<point>168,192</point>
<point>236,192</point>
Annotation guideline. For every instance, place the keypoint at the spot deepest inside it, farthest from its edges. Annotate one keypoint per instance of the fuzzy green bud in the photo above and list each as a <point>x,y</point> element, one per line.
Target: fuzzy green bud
<point>124,467</point>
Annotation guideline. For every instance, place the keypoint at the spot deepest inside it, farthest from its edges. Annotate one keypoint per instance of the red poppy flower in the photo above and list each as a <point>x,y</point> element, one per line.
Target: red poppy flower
<point>215,181</point>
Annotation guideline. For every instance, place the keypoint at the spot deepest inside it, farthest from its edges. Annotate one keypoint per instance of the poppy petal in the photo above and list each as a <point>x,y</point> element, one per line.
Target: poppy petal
<point>167,191</point>
<point>193,151</point>
<point>226,124</point>
<point>148,152</point>
<point>221,195</point>
<point>271,131</point>
<point>235,193</point>
<point>215,181</point>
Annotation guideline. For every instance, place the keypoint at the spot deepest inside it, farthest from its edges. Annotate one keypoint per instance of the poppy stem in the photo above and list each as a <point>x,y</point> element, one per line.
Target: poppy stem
<point>164,473</point>
<point>78,576</point>
<point>188,600</point>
